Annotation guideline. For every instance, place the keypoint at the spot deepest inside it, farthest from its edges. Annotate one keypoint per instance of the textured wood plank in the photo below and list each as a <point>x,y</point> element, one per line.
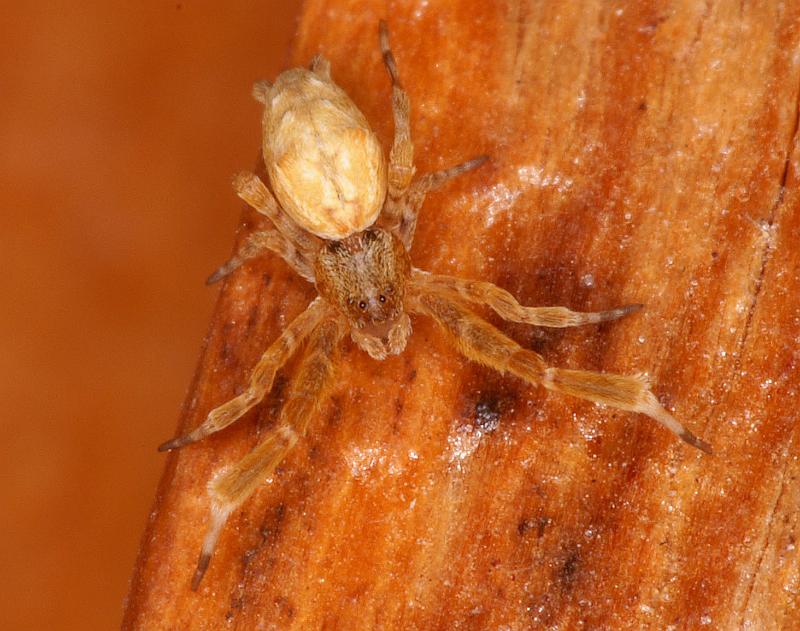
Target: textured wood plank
<point>638,154</point>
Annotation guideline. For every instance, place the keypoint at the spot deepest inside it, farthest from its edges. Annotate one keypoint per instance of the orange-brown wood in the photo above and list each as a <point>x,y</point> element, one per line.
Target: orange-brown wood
<point>639,153</point>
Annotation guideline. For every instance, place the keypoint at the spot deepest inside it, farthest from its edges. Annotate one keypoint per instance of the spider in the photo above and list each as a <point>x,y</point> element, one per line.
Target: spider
<point>344,220</point>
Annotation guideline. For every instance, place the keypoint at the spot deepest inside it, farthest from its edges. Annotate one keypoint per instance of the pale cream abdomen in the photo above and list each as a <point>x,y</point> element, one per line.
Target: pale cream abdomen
<point>325,164</point>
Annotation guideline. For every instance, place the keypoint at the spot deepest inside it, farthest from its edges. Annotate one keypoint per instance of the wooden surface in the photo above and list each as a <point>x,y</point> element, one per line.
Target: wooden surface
<point>638,154</point>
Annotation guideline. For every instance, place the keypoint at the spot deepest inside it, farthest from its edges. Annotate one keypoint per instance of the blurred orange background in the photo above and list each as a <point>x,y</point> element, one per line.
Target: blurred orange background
<point>120,127</point>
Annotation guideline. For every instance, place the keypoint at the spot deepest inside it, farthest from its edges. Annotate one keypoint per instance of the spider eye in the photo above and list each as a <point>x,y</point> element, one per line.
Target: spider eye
<point>351,301</point>
<point>382,298</point>
<point>389,290</point>
<point>362,305</point>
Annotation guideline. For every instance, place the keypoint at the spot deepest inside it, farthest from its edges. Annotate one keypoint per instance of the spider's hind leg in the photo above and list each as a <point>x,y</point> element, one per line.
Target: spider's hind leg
<point>401,157</point>
<point>321,67</point>
<point>404,197</point>
<point>232,485</point>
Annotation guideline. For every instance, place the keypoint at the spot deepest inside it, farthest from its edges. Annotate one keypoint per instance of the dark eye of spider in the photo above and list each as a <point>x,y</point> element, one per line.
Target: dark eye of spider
<point>382,298</point>
<point>362,305</point>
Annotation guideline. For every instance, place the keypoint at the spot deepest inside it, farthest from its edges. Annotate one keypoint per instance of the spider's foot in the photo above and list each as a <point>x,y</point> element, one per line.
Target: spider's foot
<point>695,441</point>
<point>436,179</point>
<point>619,312</point>
<point>223,271</point>
<point>202,566</point>
<point>177,443</point>
<point>219,515</point>
<point>474,163</point>
<point>216,276</point>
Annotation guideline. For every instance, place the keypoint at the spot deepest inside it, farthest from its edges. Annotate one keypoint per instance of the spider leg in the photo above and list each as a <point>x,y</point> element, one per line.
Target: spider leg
<point>321,67</point>
<point>258,243</point>
<point>404,198</point>
<point>260,379</point>
<point>401,157</point>
<point>481,342</point>
<point>230,486</point>
<point>407,208</point>
<point>261,91</point>
<point>251,189</point>
<point>506,306</point>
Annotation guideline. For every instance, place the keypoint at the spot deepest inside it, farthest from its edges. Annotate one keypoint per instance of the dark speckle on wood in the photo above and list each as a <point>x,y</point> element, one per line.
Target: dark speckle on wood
<point>487,413</point>
<point>252,317</point>
<point>535,524</point>
<point>567,571</point>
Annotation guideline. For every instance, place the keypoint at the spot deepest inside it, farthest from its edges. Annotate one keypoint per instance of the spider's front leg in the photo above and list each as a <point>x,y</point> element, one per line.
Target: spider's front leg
<point>231,486</point>
<point>481,342</point>
<point>507,307</point>
<point>260,379</point>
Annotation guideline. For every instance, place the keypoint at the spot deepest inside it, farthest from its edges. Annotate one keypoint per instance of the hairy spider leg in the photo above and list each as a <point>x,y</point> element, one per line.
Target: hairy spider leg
<point>286,238</point>
<point>255,245</point>
<point>420,188</point>
<point>480,341</point>
<point>261,378</point>
<point>407,209</point>
<point>250,188</point>
<point>261,91</point>
<point>405,198</point>
<point>401,157</point>
<point>321,67</point>
<point>232,485</point>
<point>507,307</point>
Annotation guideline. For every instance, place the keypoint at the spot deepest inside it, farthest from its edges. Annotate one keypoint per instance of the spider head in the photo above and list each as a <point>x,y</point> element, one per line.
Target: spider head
<point>364,278</point>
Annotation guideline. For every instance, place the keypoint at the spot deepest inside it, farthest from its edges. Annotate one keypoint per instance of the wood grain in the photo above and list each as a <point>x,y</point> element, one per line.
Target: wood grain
<point>639,153</point>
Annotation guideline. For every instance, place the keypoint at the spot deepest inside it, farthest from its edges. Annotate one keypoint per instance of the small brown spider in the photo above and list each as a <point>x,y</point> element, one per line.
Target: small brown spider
<point>345,221</point>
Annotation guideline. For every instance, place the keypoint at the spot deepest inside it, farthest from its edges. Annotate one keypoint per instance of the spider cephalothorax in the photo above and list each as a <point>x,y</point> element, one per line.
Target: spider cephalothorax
<point>344,220</point>
<point>364,277</point>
